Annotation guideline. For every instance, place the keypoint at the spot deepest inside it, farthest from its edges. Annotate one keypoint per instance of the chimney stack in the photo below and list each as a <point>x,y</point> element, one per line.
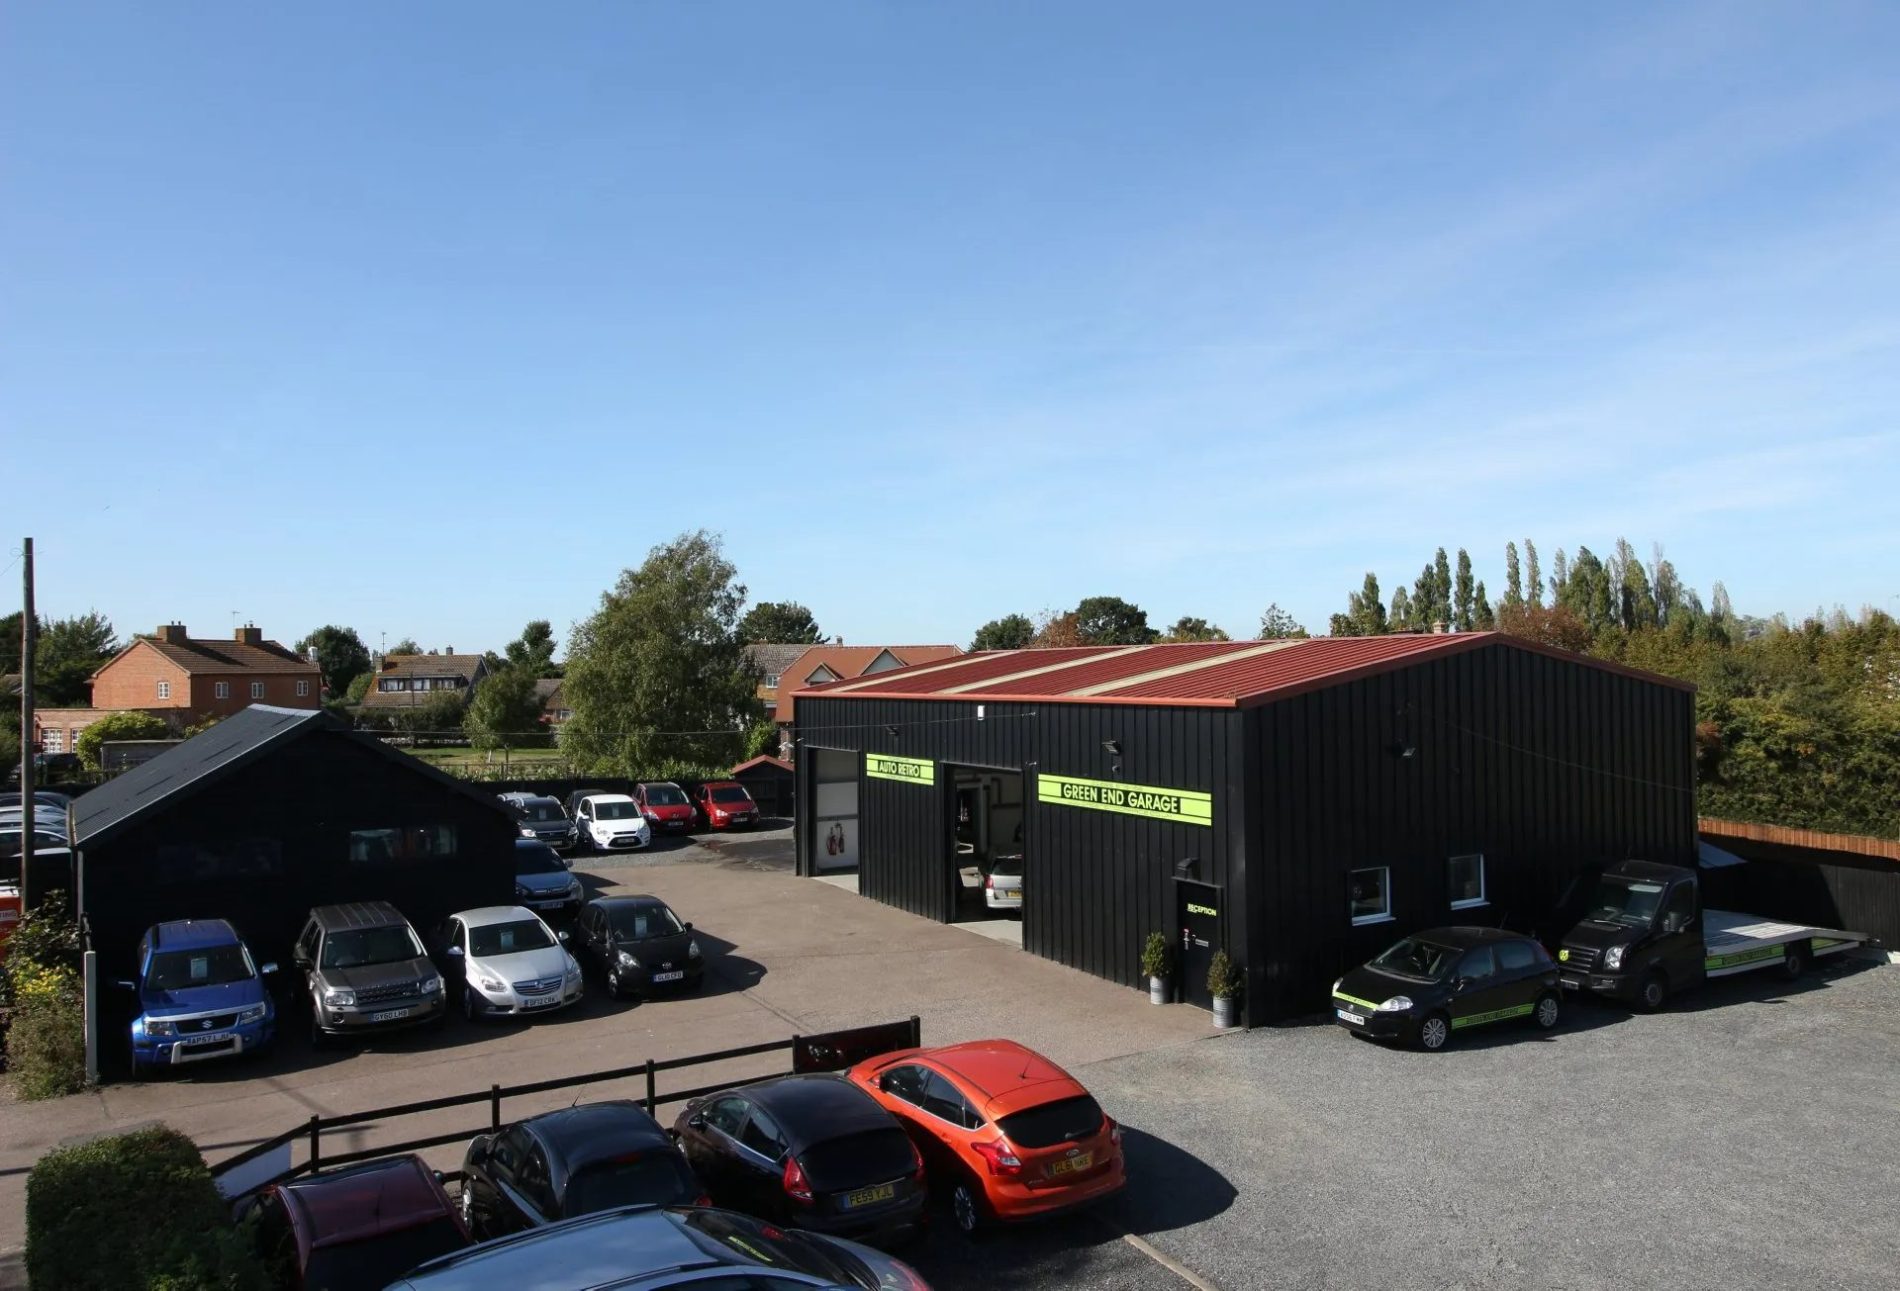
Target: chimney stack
<point>1441,628</point>
<point>250,634</point>
<point>172,632</point>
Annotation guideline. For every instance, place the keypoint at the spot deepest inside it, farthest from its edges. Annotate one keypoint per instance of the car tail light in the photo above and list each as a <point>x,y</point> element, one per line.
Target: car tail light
<point>989,882</point>
<point>702,1200</point>
<point>916,1164</point>
<point>795,1183</point>
<point>1000,1157</point>
<point>1114,1131</point>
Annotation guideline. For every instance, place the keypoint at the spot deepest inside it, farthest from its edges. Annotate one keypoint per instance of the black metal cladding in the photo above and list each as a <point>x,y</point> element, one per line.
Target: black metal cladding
<point>1544,766</point>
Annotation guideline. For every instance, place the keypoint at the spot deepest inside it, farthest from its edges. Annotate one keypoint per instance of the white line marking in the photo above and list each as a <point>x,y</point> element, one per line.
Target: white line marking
<point>1173,1266</point>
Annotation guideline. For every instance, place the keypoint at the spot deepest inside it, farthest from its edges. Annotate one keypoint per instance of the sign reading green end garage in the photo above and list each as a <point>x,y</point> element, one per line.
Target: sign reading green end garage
<point>1183,806</point>
<point>882,766</point>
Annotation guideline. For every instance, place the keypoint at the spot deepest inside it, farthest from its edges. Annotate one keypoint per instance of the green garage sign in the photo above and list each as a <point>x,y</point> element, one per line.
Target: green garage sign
<point>1183,806</point>
<point>882,766</point>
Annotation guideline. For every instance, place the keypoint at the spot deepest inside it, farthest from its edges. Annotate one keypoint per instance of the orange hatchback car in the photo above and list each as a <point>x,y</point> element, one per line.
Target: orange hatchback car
<point>1008,1133</point>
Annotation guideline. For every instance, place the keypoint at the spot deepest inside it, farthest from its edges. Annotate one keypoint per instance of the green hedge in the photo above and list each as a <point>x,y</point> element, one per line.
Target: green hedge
<point>136,1210</point>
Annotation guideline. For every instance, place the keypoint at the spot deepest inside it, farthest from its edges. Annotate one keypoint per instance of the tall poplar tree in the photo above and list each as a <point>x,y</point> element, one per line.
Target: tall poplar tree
<point>1513,578</point>
<point>1534,587</point>
<point>1462,599</point>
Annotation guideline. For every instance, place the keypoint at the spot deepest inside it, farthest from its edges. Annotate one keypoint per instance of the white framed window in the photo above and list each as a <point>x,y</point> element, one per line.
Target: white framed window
<point>221,690</point>
<point>303,688</point>
<point>164,690</point>
<point>1464,878</point>
<point>1370,892</point>
<point>257,690</point>
<point>52,740</point>
<point>771,683</point>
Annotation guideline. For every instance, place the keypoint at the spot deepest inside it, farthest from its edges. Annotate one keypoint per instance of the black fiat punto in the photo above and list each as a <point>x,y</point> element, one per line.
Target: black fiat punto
<point>1434,984</point>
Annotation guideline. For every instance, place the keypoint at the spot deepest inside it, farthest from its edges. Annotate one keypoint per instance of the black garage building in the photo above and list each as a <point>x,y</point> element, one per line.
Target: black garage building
<point>1301,803</point>
<point>273,811</point>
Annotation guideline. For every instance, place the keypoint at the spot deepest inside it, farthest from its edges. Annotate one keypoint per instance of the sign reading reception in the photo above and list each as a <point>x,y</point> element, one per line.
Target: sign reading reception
<point>1183,806</point>
<point>883,766</point>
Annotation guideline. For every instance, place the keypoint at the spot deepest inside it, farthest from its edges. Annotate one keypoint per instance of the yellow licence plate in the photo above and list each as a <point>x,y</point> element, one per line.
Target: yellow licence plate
<point>1069,1165</point>
<point>867,1196</point>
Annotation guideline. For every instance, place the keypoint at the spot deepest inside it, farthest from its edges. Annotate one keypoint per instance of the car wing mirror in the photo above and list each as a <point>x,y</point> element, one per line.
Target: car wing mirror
<point>454,952</point>
<point>696,1121</point>
<point>268,968</point>
<point>126,986</point>
<point>562,934</point>
<point>689,925</point>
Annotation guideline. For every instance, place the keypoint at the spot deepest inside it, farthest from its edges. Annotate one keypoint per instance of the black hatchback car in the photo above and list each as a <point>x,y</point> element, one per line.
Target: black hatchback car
<point>573,1162</point>
<point>639,944</point>
<point>1431,985</point>
<point>809,1152</point>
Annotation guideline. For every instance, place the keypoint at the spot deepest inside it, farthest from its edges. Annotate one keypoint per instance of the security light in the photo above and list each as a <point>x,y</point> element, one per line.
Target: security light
<point>891,730</point>
<point>1113,746</point>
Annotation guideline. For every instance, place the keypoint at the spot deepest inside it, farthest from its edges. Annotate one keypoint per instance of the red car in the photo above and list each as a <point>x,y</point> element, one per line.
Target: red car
<point>1005,1132</point>
<point>665,805</point>
<point>725,804</point>
<point>358,1226</point>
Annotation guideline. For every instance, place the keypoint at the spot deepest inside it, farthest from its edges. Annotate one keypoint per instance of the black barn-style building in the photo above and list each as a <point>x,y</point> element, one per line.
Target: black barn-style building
<point>1299,803</point>
<point>274,811</point>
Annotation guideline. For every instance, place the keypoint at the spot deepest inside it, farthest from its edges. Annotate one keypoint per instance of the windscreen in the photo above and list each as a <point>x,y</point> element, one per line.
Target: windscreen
<point>874,1156</point>
<point>537,859</point>
<point>1008,866</point>
<point>665,795</point>
<point>508,938</point>
<point>615,811</point>
<point>177,970</point>
<point>357,947</point>
<point>1426,960</point>
<point>731,793</point>
<point>378,1261</point>
<point>1623,901</point>
<point>545,812</point>
<point>655,1178</point>
<point>643,921</point>
<point>1063,1121</point>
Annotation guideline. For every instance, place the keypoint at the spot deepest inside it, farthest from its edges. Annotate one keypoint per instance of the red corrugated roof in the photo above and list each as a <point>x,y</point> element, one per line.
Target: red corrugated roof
<point>1225,674</point>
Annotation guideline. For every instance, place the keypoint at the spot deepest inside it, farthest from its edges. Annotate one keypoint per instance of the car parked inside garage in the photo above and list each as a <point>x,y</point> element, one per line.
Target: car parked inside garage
<point>200,996</point>
<point>1428,987</point>
<point>572,1162</point>
<point>364,970</point>
<point>504,961</point>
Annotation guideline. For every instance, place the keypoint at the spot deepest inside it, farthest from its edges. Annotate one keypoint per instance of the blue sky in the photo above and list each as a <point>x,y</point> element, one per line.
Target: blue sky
<point>430,318</point>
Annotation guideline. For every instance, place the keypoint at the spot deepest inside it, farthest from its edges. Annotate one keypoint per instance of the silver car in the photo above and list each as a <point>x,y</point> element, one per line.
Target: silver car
<point>1003,886</point>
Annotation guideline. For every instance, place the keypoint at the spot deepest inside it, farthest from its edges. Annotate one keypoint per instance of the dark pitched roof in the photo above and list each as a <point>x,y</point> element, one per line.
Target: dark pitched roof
<point>206,658</point>
<point>431,665</point>
<point>1216,674</point>
<point>773,658</point>
<point>546,688</point>
<point>763,760</point>
<point>235,742</point>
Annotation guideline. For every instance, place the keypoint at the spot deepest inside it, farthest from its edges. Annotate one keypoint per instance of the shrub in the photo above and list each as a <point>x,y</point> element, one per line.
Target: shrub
<point>132,1210</point>
<point>46,1033</point>
<point>131,725</point>
<point>47,935</point>
<point>1223,976</point>
<point>1154,956</point>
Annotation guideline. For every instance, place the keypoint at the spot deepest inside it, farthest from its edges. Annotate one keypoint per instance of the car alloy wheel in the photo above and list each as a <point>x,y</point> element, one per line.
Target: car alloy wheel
<point>1794,963</point>
<point>1655,992</point>
<point>1433,1032</point>
<point>966,1209</point>
<point>466,1202</point>
<point>1547,1012</point>
<point>470,1009</point>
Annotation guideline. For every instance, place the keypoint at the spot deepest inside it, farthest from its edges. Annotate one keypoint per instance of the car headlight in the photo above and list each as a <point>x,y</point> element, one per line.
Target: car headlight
<point>1613,957</point>
<point>627,960</point>
<point>253,1014</point>
<point>692,950</point>
<point>526,832</point>
<point>338,997</point>
<point>521,893</point>
<point>1397,1004</point>
<point>161,1028</point>
<point>573,967</point>
<point>488,983</point>
<point>573,887</point>
<point>430,985</point>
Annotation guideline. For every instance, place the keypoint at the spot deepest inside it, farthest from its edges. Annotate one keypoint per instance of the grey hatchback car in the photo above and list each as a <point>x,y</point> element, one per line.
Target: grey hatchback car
<point>364,969</point>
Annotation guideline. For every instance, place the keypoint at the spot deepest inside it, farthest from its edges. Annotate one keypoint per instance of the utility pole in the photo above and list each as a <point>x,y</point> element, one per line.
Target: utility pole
<point>29,641</point>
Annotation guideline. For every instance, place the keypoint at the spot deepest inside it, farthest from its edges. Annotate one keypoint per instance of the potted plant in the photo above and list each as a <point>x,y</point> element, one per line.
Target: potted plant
<point>1223,983</point>
<point>1154,966</point>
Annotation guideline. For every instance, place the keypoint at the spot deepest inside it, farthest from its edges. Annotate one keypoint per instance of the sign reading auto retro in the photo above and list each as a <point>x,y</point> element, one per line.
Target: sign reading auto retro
<point>1183,806</point>
<point>883,766</point>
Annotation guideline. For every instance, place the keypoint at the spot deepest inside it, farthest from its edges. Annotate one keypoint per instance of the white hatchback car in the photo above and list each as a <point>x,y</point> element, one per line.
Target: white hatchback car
<point>507,962</point>
<point>612,822</point>
<point>1003,887</point>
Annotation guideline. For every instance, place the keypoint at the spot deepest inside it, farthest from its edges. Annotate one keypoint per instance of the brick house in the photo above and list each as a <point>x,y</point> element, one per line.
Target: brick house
<point>816,665</point>
<point>554,709</point>
<point>408,680</point>
<point>185,679</point>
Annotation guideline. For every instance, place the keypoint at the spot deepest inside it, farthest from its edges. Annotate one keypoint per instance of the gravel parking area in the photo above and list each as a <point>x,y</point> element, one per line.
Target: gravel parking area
<point>1746,1138</point>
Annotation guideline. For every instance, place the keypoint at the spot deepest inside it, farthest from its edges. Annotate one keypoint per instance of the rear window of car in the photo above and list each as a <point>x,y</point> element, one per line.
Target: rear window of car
<point>657,1178</point>
<point>1009,867</point>
<point>855,1159</point>
<point>378,1261</point>
<point>1062,1121</point>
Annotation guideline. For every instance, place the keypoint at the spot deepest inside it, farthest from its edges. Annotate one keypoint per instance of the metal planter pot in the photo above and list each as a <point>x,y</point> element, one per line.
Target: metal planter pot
<point>1226,1011</point>
<point>1157,990</point>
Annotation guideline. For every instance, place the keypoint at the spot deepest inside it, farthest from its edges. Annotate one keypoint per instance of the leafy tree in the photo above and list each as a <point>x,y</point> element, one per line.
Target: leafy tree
<point>69,652</point>
<point>762,739</point>
<point>1462,608</point>
<point>1365,612</point>
<point>359,687</point>
<point>1188,628</point>
<point>1534,587</point>
<point>128,725</point>
<point>406,646</point>
<point>1278,625</point>
<point>1559,575</point>
<point>1719,608</point>
<point>533,650</point>
<point>1055,631</point>
<point>1109,620</point>
<point>662,656</point>
<point>340,653</point>
<point>782,622</point>
<point>433,718</point>
<point>1513,577</point>
<point>1550,625</point>
<point>1441,581</point>
<point>12,642</point>
<point>1011,632</point>
<point>1481,616</point>
<point>1400,618</point>
<point>505,713</point>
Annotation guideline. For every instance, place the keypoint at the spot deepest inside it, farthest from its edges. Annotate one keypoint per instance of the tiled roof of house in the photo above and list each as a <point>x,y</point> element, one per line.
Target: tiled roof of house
<point>546,688</point>
<point>773,658</point>
<point>846,662</point>
<point>1225,674</point>
<point>431,665</point>
<point>202,658</point>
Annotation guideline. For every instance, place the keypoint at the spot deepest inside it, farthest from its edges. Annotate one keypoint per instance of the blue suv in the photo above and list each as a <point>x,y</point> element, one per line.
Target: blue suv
<point>200,996</point>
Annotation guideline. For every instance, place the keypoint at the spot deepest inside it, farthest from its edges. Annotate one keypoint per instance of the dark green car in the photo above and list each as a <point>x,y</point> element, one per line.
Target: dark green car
<point>1435,984</point>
